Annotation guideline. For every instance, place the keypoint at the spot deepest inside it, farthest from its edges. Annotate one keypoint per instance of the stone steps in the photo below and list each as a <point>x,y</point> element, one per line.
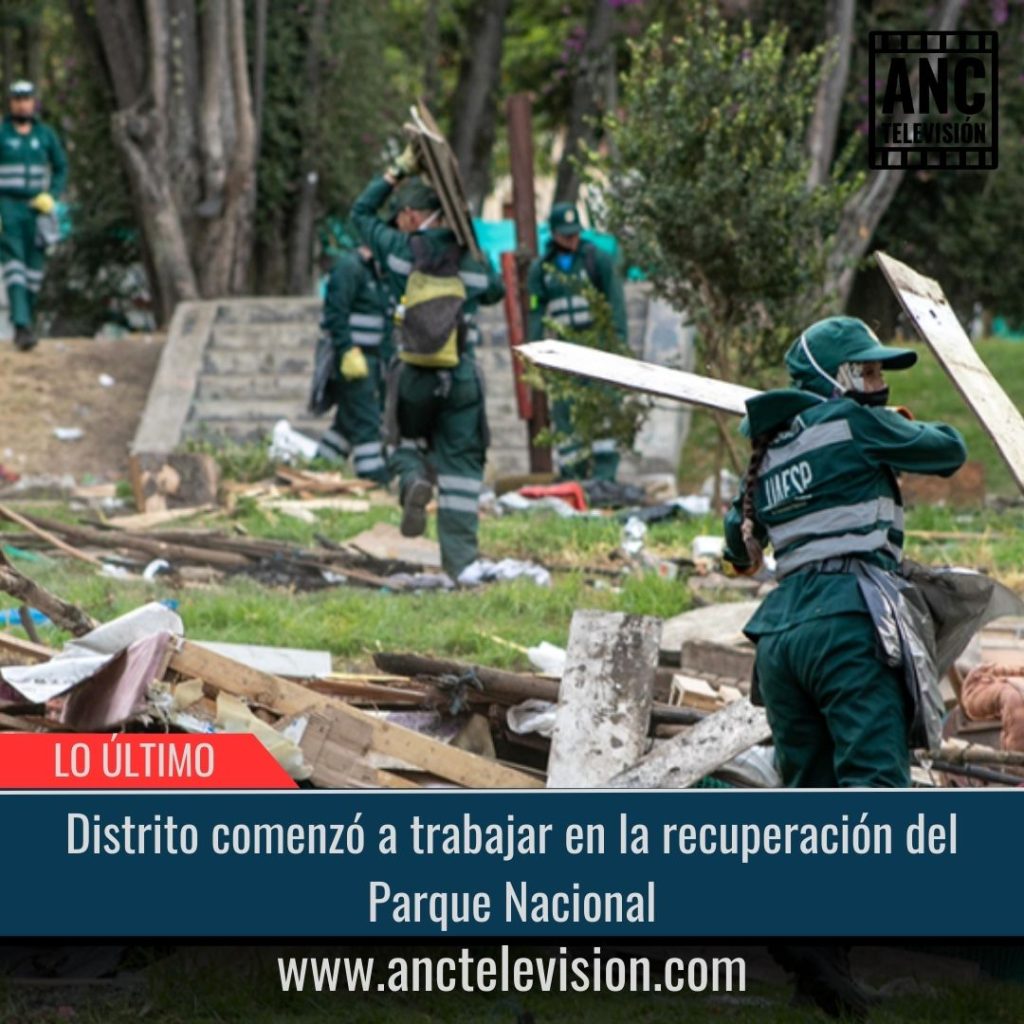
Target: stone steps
<point>290,387</point>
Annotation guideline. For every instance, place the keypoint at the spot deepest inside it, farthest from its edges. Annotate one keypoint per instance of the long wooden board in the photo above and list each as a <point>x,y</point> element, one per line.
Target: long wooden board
<point>442,171</point>
<point>635,375</point>
<point>291,698</point>
<point>931,314</point>
<point>683,760</point>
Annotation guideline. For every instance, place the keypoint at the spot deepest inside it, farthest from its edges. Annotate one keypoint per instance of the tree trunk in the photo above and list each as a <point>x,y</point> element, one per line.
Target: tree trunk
<point>828,104</point>
<point>475,104</point>
<point>301,243</point>
<point>865,209</point>
<point>183,124</point>
<point>431,54</point>
<point>596,61</point>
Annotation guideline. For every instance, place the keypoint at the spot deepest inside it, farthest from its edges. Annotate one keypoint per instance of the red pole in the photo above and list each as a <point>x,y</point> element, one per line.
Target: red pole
<point>516,331</point>
<point>520,138</point>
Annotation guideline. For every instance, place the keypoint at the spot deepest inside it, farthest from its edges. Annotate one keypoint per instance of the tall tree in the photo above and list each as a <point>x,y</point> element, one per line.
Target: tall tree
<point>865,209</point>
<point>475,104</point>
<point>828,102</point>
<point>183,123</point>
<point>590,87</point>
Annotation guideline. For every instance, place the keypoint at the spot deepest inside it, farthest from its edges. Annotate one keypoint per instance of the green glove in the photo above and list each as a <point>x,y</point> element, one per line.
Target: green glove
<point>43,203</point>
<point>353,364</point>
<point>408,163</point>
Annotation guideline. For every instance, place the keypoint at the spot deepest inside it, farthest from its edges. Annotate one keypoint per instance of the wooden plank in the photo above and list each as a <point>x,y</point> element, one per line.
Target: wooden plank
<point>291,698</point>
<point>635,375</point>
<point>25,524</point>
<point>604,702</point>
<point>442,171</point>
<point>684,760</point>
<point>25,649</point>
<point>931,314</point>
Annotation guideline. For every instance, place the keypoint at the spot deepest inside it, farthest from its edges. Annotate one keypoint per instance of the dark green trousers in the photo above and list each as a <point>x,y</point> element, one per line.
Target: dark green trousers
<point>601,464</point>
<point>21,260</point>
<point>838,714</point>
<point>441,428</point>
<point>356,429</point>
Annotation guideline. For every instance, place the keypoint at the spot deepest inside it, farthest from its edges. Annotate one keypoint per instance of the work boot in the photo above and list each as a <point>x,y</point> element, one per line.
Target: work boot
<point>414,508</point>
<point>24,339</point>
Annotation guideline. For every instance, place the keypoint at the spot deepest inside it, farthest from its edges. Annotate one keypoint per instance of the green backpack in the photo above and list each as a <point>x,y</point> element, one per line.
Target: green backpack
<point>430,329</point>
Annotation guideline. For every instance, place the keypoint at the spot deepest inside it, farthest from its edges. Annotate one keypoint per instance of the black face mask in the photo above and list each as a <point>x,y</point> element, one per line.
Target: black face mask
<point>869,397</point>
<point>22,118</point>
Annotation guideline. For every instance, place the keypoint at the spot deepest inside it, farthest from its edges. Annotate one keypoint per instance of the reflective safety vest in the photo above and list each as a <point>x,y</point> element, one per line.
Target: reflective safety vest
<point>827,488</point>
<point>31,163</point>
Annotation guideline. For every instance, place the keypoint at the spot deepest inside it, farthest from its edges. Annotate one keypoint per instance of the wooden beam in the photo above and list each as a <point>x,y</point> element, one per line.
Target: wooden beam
<point>684,760</point>
<point>634,375</point>
<point>292,698</point>
<point>931,314</point>
<point>604,703</point>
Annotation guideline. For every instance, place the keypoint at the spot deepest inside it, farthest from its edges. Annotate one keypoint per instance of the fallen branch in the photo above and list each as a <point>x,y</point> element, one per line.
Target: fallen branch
<point>27,524</point>
<point>59,611</point>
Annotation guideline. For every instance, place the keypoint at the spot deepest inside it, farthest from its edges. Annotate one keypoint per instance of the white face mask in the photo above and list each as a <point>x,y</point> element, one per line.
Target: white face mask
<point>851,376</point>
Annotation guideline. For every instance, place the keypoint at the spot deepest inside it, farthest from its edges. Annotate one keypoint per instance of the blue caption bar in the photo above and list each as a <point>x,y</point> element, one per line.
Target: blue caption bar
<point>552,864</point>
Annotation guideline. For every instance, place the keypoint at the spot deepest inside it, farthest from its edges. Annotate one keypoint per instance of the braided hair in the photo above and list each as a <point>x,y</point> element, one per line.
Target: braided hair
<point>758,449</point>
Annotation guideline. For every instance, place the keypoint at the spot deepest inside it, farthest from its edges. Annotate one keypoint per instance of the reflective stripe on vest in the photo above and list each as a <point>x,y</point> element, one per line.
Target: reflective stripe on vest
<point>838,519</point>
<point>818,436</point>
<point>836,547</point>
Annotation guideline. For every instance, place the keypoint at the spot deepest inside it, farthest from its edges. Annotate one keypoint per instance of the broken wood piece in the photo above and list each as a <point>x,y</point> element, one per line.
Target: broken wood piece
<point>933,317</point>
<point>286,698</point>
<point>605,697</point>
<point>291,662</point>
<point>60,612</point>
<point>27,524</point>
<point>634,375</point>
<point>680,762</point>
<point>385,543</point>
<point>510,687</point>
<point>162,480</point>
<point>148,520</point>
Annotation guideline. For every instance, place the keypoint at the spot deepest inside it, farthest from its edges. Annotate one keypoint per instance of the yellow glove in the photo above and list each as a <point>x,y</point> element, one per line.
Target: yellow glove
<point>408,163</point>
<point>353,364</point>
<point>43,203</point>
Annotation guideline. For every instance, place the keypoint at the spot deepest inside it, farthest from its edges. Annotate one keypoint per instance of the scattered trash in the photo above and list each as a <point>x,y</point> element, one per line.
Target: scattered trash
<point>287,444</point>
<point>609,494</point>
<point>68,433</point>
<point>106,381</point>
<point>633,536</point>
<point>513,501</point>
<point>155,568</point>
<point>707,552</point>
<point>12,617</point>
<point>547,658</point>
<point>484,571</point>
<point>532,716</point>
<point>570,492</point>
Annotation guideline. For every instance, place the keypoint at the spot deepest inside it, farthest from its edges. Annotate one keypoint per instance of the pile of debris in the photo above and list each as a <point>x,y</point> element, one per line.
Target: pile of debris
<point>634,703</point>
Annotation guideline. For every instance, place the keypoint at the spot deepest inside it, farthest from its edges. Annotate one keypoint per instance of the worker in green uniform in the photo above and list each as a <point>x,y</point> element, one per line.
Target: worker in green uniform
<point>435,417</point>
<point>821,488</point>
<point>357,318</point>
<point>33,173</point>
<point>556,284</point>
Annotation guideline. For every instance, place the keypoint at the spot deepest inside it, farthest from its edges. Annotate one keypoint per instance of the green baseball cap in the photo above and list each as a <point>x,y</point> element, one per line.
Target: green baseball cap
<point>564,219</point>
<point>414,194</point>
<point>814,358</point>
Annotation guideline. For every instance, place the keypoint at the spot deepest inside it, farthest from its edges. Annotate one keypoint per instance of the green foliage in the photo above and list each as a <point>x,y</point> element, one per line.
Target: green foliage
<point>597,410</point>
<point>708,185</point>
<point>94,275</point>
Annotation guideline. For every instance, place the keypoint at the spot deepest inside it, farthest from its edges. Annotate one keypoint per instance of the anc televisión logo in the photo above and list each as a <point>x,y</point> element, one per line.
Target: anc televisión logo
<point>933,100</point>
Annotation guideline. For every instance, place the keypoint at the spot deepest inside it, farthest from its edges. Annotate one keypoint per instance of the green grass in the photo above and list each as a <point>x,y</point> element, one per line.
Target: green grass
<point>926,390</point>
<point>354,622</point>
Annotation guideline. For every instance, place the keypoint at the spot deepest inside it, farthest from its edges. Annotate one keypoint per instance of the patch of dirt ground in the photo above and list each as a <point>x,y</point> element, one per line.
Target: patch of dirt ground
<point>57,384</point>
